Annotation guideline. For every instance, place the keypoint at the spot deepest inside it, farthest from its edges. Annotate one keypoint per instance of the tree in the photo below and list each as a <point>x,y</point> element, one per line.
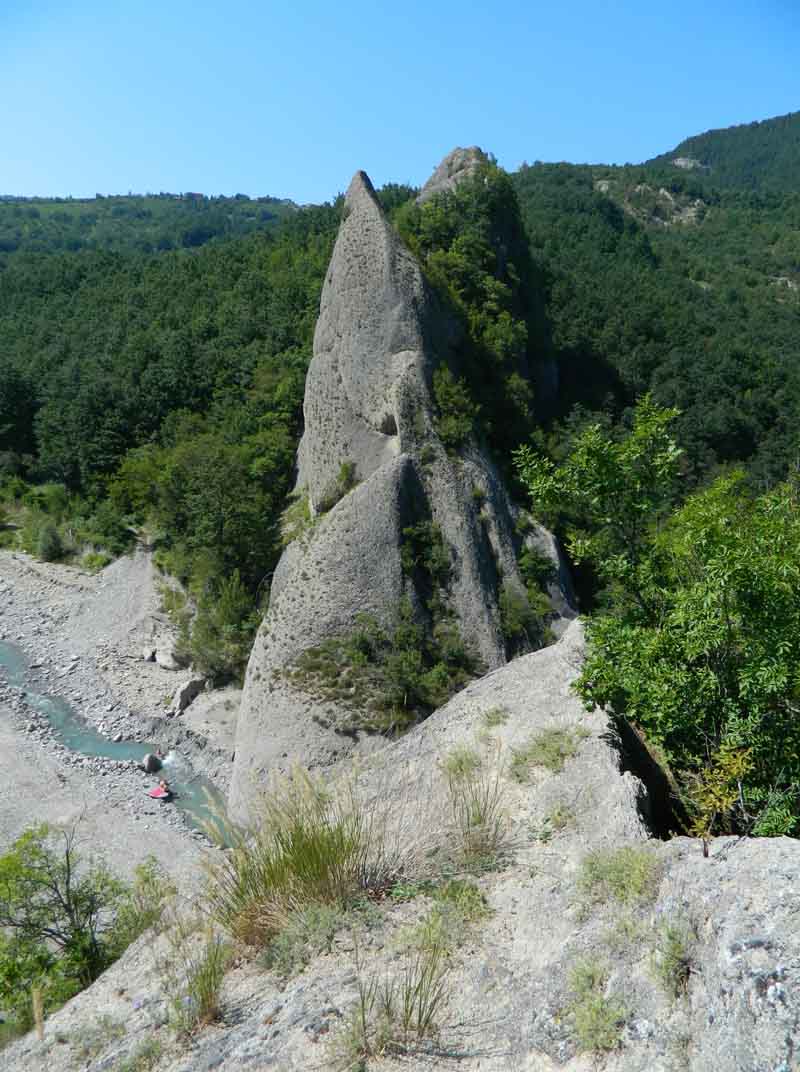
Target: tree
<point>611,491</point>
<point>51,908</point>
<point>700,644</point>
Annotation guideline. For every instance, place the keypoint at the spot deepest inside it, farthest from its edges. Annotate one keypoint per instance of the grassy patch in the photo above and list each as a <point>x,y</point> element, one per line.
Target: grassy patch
<point>674,957</point>
<point>628,875</point>
<point>494,717</point>
<point>96,1037</point>
<point>559,818</point>
<point>297,519</point>
<point>461,762</point>
<point>306,934</point>
<point>626,935</point>
<point>144,1058</point>
<point>597,1019</point>
<point>549,749</point>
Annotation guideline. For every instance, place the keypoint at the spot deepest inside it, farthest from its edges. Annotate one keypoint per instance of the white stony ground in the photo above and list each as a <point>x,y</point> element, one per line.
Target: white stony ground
<point>84,635</point>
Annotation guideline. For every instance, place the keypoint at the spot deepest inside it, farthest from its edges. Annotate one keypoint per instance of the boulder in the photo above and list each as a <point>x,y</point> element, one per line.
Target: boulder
<point>149,654</point>
<point>166,659</point>
<point>151,763</point>
<point>185,693</point>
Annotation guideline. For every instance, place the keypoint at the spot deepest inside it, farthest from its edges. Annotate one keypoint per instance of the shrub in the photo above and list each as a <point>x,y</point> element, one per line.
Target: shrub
<point>550,749</point>
<point>49,545</point>
<point>674,955</point>
<point>629,875</point>
<point>598,1020</point>
<point>387,678</point>
<point>141,905</point>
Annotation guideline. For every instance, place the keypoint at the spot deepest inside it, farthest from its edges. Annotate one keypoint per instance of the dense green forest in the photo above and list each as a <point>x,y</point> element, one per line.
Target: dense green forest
<point>148,223</point>
<point>763,156</point>
<point>152,365</point>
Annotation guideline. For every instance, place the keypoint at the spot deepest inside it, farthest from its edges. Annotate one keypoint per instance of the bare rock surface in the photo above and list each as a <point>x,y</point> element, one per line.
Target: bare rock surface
<point>368,406</point>
<point>511,999</point>
<point>455,166</point>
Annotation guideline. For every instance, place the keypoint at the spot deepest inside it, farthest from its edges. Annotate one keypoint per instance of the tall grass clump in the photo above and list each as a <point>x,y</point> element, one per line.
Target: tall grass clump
<point>394,1015</point>
<point>478,819</point>
<point>307,847</point>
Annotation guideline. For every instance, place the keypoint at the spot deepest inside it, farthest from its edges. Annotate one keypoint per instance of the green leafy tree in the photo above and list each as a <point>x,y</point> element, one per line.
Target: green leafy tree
<point>700,645</point>
<point>611,491</point>
<point>52,909</point>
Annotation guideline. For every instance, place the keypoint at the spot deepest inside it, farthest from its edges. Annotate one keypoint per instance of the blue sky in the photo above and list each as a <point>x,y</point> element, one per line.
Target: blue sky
<point>290,98</point>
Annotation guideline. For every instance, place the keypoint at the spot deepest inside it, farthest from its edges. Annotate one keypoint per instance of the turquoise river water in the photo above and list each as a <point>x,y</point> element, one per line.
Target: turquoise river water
<point>194,795</point>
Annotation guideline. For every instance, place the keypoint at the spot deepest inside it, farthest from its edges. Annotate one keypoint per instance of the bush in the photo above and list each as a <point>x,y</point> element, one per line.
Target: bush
<point>62,922</point>
<point>49,545</point>
<point>674,957</point>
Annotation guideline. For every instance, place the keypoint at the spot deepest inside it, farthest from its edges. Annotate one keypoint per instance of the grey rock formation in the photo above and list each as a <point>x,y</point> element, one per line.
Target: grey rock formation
<point>456,165</point>
<point>151,763</point>
<point>381,333</point>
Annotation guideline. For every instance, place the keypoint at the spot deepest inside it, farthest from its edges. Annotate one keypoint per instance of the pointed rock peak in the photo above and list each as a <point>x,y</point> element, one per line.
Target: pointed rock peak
<point>360,187</point>
<point>457,165</point>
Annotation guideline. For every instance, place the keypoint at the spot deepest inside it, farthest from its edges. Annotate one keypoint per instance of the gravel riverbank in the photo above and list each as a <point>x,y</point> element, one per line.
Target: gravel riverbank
<point>83,637</point>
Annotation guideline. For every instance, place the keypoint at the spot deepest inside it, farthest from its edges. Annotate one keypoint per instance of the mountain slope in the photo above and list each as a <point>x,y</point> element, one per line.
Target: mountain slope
<point>762,156</point>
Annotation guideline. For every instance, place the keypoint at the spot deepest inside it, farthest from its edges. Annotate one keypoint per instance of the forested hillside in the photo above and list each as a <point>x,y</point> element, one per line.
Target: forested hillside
<point>142,223</point>
<point>762,156</point>
<point>702,310</point>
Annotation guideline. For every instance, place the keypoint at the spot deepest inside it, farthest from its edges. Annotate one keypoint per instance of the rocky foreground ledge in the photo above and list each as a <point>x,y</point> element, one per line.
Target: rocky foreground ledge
<point>555,940</point>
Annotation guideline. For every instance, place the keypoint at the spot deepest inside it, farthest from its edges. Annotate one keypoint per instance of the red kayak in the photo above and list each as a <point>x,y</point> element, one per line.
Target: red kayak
<point>158,793</point>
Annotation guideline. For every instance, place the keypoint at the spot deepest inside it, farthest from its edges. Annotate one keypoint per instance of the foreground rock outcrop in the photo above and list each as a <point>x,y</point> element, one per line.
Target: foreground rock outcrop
<point>369,414</point>
<point>511,981</point>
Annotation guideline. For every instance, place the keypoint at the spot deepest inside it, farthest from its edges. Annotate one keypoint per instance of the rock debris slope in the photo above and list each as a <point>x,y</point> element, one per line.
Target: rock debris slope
<point>368,407</point>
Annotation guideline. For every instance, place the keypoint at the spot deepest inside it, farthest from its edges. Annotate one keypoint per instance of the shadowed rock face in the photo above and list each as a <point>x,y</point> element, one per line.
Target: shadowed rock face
<point>381,333</point>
